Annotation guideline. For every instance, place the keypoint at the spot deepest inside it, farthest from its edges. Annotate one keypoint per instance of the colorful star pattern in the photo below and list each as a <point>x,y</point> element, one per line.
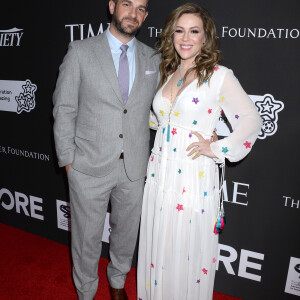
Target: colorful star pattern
<point>179,171</point>
<point>148,284</point>
<point>204,271</point>
<point>236,116</point>
<point>179,207</point>
<point>190,135</point>
<point>162,112</point>
<point>195,122</point>
<point>214,260</point>
<point>174,131</point>
<point>216,68</point>
<point>152,266</point>
<point>160,148</point>
<point>205,81</point>
<point>183,191</point>
<point>224,150</point>
<point>152,174</point>
<point>201,174</point>
<point>209,111</point>
<point>203,211</point>
<point>176,113</point>
<point>222,99</point>
<point>195,100</point>
<point>174,149</point>
<point>151,124</point>
<point>205,194</point>
<point>152,158</point>
<point>155,282</point>
<point>247,145</point>
<point>198,281</point>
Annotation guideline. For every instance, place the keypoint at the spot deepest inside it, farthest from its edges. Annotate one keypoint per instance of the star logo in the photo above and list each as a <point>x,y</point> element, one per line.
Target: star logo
<point>29,88</point>
<point>179,171</point>
<point>268,109</point>
<point>209,111</point>
<point>204,271</point>
<point>247,145</point>
<point>162,112</point>
<point>195,122</point>
<point>236,116</point>
<point>224,150</point>
<point>179,207</point>
<point>174,131</point>
<point>195,100</point>
<point>176,113</point>
<point>201,174</point>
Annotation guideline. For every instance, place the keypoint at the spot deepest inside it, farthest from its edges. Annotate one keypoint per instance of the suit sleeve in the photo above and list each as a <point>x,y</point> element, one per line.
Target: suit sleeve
<point>243,117</point>
<point>65,100</point>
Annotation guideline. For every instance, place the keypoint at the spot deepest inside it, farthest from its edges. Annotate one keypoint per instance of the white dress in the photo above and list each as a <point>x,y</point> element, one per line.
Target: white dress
<point>177,248</point>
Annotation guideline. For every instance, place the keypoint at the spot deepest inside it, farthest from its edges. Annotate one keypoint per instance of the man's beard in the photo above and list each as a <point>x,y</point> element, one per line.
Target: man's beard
<point>123,30</point>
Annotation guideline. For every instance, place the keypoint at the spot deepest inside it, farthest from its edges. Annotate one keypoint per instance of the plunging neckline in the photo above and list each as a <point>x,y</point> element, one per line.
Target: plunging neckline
<point>166,98</point>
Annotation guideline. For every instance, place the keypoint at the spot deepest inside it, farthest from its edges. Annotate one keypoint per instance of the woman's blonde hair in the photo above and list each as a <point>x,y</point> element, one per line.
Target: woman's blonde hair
<point>208,57</point>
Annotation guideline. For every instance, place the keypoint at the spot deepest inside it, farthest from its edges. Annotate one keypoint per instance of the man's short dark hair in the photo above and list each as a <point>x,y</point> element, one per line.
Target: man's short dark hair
<point>146,4</point>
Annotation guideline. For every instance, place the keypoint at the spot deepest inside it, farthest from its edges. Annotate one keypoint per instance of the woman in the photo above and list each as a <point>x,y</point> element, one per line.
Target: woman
<point>178,246</point>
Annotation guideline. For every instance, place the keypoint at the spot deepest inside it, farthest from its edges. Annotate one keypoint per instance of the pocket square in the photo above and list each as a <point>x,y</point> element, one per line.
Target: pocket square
<point>149,72</point>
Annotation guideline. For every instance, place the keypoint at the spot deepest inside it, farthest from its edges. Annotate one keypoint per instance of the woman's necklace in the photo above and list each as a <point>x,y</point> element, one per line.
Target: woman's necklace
<point>180,80</point>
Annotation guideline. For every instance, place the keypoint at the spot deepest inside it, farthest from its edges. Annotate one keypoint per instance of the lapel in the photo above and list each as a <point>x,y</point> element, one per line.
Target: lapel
<point>103,53</point>
<point>140,68</point>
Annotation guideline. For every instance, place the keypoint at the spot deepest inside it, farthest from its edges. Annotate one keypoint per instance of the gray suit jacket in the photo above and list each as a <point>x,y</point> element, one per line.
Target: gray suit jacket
<point>91,123</point>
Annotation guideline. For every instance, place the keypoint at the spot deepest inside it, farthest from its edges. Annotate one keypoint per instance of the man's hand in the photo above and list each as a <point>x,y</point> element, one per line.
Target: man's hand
<point>68,167</point>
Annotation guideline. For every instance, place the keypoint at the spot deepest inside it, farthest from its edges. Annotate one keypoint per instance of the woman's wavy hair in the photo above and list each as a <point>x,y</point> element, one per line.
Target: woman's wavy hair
<point>208,57</point>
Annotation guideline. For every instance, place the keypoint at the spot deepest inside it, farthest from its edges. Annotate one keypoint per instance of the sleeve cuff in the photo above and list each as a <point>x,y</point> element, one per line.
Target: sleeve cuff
<point>216,150</point>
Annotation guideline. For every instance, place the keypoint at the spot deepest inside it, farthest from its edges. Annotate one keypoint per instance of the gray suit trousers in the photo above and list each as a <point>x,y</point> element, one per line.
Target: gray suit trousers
<point>89,197</point>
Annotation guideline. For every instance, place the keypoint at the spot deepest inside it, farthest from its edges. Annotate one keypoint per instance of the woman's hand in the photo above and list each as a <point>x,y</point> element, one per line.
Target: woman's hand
<point>202,147</point>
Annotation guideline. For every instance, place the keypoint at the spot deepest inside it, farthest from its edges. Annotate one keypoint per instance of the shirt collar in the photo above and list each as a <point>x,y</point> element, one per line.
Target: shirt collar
<point>115,44</point>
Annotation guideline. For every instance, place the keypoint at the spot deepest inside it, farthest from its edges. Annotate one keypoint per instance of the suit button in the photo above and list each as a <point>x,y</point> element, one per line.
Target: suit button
<point>121,135</point>
<point>125,111</point>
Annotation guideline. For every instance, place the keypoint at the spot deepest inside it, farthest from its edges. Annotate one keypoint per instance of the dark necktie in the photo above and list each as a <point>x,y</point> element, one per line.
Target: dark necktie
<point>123,75</point>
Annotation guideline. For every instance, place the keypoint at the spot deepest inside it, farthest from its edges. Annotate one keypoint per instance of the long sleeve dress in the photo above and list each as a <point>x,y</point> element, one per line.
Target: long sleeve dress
<point>178,248</point>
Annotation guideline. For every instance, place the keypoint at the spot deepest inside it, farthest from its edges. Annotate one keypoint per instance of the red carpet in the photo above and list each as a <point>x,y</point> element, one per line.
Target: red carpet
<point>32,268</point>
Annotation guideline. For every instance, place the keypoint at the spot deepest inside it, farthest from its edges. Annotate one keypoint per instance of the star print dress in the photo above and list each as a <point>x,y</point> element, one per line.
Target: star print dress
<point>178,248</point>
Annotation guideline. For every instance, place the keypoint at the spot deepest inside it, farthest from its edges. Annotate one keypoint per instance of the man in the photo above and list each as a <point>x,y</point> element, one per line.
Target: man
<point>101,110</point>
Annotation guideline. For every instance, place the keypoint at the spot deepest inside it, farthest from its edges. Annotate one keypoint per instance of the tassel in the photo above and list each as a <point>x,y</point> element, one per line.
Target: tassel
<point>220,223</point>
<point>168,133</point>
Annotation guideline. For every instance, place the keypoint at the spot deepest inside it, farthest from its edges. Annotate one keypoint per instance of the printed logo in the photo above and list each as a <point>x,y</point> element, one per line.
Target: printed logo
<point>7,150</point>
<point>81,31</point>
<point>17,96</point>
<point>10,37</point>
<point>268,109</point>
<point>63,215</point>
<point>260,33</point>
<point>293,278</point>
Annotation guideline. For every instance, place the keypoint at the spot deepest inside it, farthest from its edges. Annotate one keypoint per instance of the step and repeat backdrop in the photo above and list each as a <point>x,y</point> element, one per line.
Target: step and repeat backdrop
<point>259,251</point>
